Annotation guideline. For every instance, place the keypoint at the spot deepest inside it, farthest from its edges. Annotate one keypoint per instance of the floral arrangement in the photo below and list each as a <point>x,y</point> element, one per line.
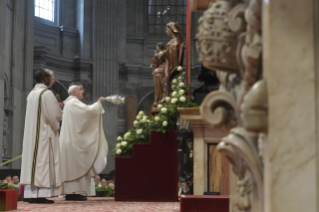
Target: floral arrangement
<point>6,186</point>
<point>104,192</point>
<point>164,121</point>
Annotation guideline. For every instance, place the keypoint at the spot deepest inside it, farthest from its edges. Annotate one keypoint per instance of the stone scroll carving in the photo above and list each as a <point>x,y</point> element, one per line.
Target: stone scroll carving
<point>230,42</point>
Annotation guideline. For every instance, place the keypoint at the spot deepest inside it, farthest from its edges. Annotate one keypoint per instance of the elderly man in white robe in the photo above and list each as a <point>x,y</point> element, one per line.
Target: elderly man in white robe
<point>83,145</point>
<point>40,168</point>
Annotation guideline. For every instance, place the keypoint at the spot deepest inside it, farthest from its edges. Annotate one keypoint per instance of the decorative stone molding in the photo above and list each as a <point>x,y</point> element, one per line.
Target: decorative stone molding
<point>240,147</point>
<point>217,43</point>
<point>230,41</point>
<point>219,109</point>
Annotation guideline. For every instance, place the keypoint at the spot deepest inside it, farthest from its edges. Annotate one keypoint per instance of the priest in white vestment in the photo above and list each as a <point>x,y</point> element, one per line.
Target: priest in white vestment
<point>83,145</point>
<point>40,168</point>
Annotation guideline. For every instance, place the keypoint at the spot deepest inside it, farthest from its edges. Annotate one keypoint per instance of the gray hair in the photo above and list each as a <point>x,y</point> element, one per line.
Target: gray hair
<point>49,70</point>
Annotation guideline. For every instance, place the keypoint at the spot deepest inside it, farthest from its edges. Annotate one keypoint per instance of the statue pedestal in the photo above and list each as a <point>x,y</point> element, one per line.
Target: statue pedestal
<point>151,174</point>
<point>9,200</point>
<point>205,203</point>
<point>211,172</point>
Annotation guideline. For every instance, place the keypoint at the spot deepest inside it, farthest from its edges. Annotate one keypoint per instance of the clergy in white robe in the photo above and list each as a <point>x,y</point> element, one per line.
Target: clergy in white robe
<point>40,168</point>
<point>83,145</point>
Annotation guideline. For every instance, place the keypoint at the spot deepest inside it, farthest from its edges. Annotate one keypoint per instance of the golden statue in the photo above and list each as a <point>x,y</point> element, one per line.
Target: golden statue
<point>165,62</point>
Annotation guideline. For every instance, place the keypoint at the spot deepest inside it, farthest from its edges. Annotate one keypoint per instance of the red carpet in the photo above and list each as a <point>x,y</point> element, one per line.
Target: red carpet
<point>104,204</point>
<point>204,203</point>
<point>152,173</point>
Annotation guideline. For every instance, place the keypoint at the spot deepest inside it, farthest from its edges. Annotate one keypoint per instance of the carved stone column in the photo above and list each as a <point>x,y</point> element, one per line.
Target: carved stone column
<point>106,67</point>
<point>230,41</point>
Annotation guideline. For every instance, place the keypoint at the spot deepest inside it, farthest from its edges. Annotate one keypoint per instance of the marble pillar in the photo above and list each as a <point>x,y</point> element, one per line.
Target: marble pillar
<point>16,74</point>
<point>290,60</point>
<point>106,67</point>
<point>22,71</point>
<point>3,5</point>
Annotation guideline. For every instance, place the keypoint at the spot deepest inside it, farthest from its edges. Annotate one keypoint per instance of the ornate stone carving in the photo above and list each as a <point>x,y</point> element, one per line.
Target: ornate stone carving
<point>241,149</point>
<point>243,92</point>
<point>255,108</point>
<point>252,49</point>
<point>219,109</point>
<point>217,43</point>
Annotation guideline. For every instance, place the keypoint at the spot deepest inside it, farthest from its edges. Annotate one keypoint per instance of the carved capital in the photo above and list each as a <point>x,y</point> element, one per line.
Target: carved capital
<point>219,109</point>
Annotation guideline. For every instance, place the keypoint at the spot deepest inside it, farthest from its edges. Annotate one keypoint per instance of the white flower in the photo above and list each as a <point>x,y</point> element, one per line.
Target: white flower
<point>135,123</point>
<point>118,151</point>
<point>164,110</point>
<point>179,68</point>
<point>167,99</point>
<point>118,145</point>
<point>147,121</point>
<point>138,117</point>
<point>143,121</point>
<point>174,100</point>
<point>123,143</point>
<point>181,92</point>
<point>127,135</point>
<point>119,138</point>
<point>159,106</point>
<point>181,84</point>
<point>174,93</point>
<point>141,113</point>
<point>164,123</point>
<point>139,131</point>
<point>145,118</point>
<point>173,86</point>
<point>182,99</point>
<point>157,118</point>
<point>180,77</point>
<point>174,81</point>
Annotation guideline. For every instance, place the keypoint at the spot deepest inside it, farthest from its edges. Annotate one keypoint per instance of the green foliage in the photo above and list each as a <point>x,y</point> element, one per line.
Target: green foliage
<point>104,192</point>
<point>6,186</point>
<point>164,121</point>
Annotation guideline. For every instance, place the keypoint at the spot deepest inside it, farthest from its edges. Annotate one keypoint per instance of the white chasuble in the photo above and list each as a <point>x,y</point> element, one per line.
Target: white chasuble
<point>40,167</point>
<point>83,146</point>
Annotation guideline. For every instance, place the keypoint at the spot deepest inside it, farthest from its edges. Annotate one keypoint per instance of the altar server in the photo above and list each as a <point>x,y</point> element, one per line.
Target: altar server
<point>40,168</point>
<point>83,145</point>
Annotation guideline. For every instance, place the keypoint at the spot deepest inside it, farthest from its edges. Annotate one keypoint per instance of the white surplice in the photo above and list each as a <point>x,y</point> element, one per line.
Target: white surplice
<point>40,168</point>
<point>83,146</point>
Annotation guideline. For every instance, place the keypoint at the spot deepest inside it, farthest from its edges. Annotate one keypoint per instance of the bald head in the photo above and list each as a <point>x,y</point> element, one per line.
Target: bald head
<point>103,183</point>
